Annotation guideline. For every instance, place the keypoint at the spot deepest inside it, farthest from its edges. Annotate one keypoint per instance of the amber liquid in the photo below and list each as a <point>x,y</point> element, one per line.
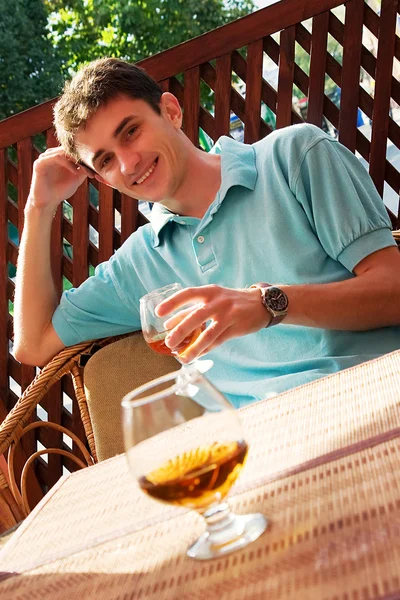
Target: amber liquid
<point>199,477</point>
<point>158,342</point>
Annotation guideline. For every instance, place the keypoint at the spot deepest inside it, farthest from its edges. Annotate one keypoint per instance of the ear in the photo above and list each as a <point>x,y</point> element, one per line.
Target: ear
<point>171,109</point>
<point>101,180</point>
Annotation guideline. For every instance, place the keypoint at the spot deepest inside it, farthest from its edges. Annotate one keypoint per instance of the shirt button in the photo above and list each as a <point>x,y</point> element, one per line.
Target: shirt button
<point>200,239</point>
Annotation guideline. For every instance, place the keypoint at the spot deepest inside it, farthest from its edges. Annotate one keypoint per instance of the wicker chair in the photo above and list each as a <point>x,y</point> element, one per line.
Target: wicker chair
<point>102,373</point>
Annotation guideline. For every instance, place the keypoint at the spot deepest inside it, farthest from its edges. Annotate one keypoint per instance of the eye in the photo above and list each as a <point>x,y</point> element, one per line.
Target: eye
<point>105,162</point>
<point>131,131</point>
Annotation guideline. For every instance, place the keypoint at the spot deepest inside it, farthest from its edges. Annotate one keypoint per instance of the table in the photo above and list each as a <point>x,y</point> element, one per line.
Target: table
<point>324,466</point>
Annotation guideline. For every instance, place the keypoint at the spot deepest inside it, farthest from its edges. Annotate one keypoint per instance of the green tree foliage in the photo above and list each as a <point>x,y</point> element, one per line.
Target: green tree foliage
<point>30,71</point>
<point>83,30</point>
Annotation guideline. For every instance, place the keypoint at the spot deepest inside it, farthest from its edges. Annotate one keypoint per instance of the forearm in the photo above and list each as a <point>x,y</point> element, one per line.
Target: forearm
<point>35,294</point>
<point>356,304</point>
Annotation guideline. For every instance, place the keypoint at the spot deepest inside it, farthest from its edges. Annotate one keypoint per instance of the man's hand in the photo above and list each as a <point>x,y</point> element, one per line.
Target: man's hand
<point>55,178</point>
<point>229,313</point>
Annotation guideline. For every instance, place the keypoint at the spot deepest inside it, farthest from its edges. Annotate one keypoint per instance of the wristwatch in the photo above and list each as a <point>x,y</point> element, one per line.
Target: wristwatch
<point>274,300</point>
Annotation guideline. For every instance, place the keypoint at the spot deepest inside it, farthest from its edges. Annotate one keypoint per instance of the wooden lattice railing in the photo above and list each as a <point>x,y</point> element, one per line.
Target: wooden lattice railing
<point>98,220</point>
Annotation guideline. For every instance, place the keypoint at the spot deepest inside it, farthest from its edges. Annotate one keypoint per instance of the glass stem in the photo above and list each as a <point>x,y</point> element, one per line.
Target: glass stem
<point>222,524</point>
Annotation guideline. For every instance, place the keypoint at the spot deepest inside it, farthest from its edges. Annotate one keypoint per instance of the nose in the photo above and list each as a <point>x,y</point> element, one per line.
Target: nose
<point>128,161</point>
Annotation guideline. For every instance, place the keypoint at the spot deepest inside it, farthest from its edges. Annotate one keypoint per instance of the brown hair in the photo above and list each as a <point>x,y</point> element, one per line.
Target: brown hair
<point>93,86</point>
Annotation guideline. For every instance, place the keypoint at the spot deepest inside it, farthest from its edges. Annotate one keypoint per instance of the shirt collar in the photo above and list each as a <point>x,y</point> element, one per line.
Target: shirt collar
<point>238,167</point>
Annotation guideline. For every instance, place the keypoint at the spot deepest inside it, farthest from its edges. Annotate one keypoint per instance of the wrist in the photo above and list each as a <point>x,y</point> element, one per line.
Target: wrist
<point>274,301</point>
<point>265,316</point>
<point>37,207</point>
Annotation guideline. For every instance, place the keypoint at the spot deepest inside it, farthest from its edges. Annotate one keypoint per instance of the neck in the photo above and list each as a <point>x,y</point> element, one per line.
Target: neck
<point>200,185</point>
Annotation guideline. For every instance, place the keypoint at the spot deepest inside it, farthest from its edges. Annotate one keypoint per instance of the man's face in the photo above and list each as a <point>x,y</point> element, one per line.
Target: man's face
<point>134,149</point>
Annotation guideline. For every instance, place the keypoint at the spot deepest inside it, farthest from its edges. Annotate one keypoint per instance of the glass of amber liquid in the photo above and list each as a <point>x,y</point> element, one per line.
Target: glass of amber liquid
<point>185,446</point>
<point>153,328</point>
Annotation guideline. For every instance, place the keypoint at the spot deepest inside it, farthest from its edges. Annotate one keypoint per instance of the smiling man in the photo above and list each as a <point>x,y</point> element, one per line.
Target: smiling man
<point>284,246</point>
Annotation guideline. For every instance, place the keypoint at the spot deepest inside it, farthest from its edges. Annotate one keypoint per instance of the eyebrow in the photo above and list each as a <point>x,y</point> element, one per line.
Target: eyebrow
<point>116,133</point>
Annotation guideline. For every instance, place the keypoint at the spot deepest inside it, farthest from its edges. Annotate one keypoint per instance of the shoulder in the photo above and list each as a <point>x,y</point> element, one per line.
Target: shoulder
<point>284,150</point>
<point>295,137</point>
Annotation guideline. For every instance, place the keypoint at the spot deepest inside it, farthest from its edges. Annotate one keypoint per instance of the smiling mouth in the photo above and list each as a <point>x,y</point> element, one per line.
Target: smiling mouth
<point>147,174</point>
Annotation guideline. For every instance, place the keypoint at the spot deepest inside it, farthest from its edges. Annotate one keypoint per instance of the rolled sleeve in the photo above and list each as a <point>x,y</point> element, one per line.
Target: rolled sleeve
<point>365,245</point>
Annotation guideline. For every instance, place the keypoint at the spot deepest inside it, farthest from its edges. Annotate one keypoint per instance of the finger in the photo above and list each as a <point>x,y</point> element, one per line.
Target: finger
<point>210,336</point>
<point>53,151</point>
<point>60,161</point>
<point>177,318</point>
<point>59,153</point>
<point>186,296</point>
<point>87,170</point>
<point>194,319</point>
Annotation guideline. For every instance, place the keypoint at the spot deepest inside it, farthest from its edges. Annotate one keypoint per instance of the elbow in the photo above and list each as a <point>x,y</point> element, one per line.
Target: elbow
<point>27,356</point>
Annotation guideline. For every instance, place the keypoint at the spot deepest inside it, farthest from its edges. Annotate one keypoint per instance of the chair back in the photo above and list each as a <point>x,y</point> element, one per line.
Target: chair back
<point>112,372</point>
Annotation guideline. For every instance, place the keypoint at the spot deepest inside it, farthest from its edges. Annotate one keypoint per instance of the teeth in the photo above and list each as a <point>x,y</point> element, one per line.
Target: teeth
<point>145,176</point>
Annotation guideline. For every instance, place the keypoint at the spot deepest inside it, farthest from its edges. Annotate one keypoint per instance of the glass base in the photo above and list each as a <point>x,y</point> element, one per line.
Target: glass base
<point>235,533</point>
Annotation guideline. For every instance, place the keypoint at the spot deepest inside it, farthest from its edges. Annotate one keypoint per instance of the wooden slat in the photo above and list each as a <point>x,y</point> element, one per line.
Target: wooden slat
<point>80,230</point>
<point>164,85</point>
<point>222,94</point>
<point>253,92</point>
<point>12,173</point>
<point>56,234</point>
<point>191,104</point>
<point>319,41</point>
<point>268,94</point>
<point>106,222</point>
<point>129,216</point>
<point>93,255</point>
<point>3,284</point>
<point>206,121</point>
<point>53,399</point>
<point>24,153</point>
<point>93,216</point>
<point>351,73</point>
<point>384,66</point>
<point>371,20</point>
<point>50,438</point>
<point>286,74</point>
<point>24,149</point>
<point>10,292</point>
<point>67,268</point>
<point>272,49</point>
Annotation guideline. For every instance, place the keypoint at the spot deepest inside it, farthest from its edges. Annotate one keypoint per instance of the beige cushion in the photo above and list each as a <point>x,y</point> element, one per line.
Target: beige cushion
<point>110,374</point>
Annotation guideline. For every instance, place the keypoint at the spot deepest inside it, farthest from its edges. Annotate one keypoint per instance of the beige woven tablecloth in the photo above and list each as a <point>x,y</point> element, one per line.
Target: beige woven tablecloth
<point>324,468</point>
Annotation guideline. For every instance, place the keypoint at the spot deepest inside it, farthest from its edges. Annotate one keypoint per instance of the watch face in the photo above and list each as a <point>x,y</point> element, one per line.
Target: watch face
<point>276,299</point>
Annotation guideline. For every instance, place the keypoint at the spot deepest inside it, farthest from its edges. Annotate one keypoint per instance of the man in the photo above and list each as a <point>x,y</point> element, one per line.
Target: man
<point>296,211</point>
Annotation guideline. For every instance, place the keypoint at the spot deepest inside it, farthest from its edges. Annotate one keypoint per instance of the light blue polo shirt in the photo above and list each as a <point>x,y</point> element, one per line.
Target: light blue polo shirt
<point>295,208</point>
